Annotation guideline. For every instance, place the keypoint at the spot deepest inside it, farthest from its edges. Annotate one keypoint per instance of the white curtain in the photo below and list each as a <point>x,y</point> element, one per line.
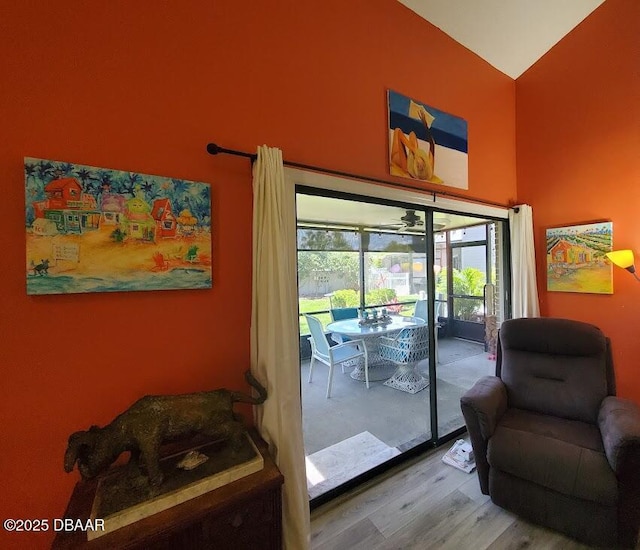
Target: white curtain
<point>524,289</point>
<point>274,337</point>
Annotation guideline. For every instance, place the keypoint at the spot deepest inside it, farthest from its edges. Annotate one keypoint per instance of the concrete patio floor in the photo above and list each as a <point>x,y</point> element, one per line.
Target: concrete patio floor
<point>357,428</point>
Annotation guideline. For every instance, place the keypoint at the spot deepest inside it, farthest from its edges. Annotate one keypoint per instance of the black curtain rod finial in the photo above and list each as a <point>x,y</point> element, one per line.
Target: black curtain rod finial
<point>215,149</point>
<point>212,149</point>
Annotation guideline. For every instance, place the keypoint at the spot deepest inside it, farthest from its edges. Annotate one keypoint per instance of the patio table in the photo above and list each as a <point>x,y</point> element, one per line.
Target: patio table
<point>379,369</point>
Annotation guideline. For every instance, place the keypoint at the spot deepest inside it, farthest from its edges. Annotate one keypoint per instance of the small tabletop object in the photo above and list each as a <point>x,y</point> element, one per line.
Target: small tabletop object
<point>384,320</point>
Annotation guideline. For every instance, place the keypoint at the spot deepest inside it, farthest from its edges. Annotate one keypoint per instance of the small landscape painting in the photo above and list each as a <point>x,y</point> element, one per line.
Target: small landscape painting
<point>427,144</point>
<point>99,230</point>
<point>576,259</point>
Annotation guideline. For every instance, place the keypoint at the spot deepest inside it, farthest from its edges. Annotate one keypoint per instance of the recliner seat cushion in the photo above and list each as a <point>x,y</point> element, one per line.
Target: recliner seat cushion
<point>563,455</point>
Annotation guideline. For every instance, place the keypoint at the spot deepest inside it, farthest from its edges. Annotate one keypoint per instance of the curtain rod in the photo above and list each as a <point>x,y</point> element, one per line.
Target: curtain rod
<point>214,149</point>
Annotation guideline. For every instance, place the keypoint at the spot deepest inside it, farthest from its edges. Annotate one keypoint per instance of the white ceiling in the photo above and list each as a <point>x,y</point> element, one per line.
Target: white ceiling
<point>313,210</point>
<point>511,35</point>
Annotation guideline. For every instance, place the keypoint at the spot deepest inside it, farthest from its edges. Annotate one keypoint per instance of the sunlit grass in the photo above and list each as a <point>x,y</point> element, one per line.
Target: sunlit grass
<point>592,279</point>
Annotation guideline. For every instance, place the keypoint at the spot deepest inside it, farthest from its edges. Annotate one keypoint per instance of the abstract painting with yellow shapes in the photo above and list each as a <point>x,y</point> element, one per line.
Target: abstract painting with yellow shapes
<point>426,144</point>
<point>576,260</point>
<point>98,230</point>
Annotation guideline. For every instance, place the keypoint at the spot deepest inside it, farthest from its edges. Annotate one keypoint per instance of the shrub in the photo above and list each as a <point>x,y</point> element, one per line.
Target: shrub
<point>351,298</point>
<point>469,282</point>
<point>380,296</point>
<point>345,298</point>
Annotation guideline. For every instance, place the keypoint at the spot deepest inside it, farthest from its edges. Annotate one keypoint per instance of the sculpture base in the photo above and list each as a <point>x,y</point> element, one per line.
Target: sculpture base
<point>125,496</point>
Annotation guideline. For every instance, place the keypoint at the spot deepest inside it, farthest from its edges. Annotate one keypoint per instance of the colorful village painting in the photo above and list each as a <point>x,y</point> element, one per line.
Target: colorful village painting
<point>576,259</point>
<point>427,144</point>
<point>98,230</point>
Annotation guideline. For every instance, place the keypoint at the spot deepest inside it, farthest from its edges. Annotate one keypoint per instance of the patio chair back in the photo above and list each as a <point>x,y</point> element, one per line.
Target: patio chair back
<point>341,313</point>
<point>421,310</point>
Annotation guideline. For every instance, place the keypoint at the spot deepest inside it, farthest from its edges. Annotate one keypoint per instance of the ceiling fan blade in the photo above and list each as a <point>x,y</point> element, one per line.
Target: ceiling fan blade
<point>397,225</point>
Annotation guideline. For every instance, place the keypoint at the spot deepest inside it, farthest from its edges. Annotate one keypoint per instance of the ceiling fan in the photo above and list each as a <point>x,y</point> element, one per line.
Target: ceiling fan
<point>411,220</point>
<point>408,221</point>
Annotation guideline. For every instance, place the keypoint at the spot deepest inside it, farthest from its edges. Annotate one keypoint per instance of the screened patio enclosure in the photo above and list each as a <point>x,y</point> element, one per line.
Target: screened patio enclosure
<point>369,255</point>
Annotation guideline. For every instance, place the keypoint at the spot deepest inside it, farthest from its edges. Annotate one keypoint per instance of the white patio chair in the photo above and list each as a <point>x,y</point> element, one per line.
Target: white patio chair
<point>339,354</point>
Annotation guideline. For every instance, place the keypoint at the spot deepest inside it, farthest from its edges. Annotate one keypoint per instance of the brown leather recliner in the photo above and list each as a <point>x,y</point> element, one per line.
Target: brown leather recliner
<point>552,442</point>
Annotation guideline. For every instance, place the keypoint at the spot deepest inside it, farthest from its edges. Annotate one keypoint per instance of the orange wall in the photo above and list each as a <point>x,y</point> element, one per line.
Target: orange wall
<point>578,158</point>
<point>144,86</point>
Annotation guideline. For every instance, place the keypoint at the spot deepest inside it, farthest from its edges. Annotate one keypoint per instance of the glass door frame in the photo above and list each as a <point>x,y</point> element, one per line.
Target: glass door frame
<point>312,183</point>
<point>505,247</point>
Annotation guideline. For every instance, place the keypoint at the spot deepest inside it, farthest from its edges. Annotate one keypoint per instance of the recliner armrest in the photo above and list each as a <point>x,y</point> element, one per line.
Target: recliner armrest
<point>482,406</point>
<point>619,423</point>
<point>487,400</point>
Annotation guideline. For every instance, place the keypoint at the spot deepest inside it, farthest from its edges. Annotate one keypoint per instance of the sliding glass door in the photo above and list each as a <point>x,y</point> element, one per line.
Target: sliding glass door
<point>358,256</point>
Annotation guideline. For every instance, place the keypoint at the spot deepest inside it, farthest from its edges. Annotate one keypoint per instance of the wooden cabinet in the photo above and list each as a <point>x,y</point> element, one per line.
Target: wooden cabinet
<point>243,515</point>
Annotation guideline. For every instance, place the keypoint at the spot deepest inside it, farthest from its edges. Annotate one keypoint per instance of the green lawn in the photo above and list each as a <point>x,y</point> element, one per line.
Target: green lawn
<point>309,305</point>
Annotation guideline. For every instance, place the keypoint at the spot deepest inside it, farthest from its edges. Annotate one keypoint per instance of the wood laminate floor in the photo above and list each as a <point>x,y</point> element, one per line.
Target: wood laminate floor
<point>426,504</point>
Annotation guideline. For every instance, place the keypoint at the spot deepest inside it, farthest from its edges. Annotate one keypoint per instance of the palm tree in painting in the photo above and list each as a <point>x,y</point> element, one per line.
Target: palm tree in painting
<point>195,194</point>
<point>62,170</point>
<point>150,190</point>
<point>85,178</point>
<point>205,192</point>
<point>33,191</point>
<point>105,179</point>
<point>29,171</point>
<point>44,170</point>
<point>134,177</point>
<point>179,187</point>
<point>131,183</point>
<point>118,183</point>
<point>201,208</point>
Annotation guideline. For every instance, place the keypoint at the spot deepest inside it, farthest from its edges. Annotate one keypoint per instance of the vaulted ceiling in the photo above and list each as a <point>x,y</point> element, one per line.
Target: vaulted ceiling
<point>511,35</point>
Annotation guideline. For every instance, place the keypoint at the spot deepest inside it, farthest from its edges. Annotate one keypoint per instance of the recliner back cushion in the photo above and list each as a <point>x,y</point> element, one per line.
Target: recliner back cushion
<point>554,366</point>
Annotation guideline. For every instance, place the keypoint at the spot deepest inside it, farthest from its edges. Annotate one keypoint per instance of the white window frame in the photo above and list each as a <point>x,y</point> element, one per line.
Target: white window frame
<point>295,176</point>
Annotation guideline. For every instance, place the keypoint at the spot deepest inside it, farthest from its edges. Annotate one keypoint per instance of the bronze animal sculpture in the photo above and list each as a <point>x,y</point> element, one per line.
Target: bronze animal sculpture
<point>155,419</point>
